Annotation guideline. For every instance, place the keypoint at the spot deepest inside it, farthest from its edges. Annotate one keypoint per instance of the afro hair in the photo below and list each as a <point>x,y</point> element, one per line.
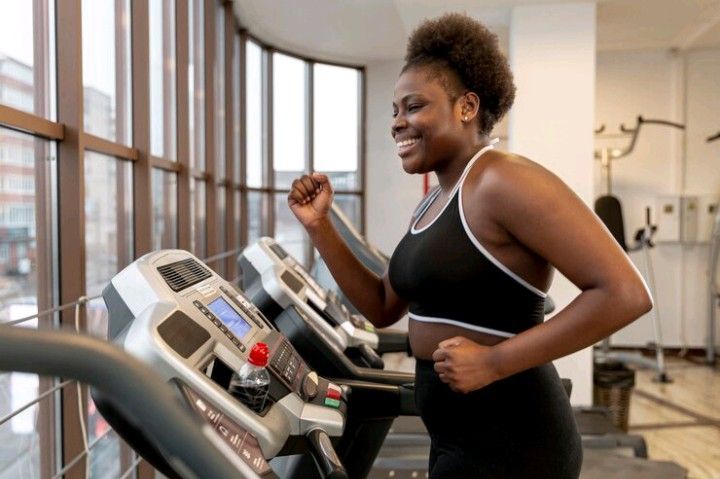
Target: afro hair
<point>466,47</point>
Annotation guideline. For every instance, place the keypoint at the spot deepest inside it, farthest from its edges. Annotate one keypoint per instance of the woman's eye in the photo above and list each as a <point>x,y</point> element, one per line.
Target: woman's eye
<point>414,107</point>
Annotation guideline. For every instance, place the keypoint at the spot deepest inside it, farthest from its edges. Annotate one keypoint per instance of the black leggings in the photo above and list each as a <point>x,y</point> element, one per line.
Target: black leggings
<point>518,427</point>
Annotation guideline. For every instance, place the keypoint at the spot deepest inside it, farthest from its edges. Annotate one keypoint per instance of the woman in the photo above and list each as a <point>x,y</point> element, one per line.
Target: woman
<point>475,265</point>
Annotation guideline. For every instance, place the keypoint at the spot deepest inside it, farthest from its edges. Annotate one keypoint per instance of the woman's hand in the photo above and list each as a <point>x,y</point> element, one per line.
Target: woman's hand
<point>464,364</point>
<point>310,198</point>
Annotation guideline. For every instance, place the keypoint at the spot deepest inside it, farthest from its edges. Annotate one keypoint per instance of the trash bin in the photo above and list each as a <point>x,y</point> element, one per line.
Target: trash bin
<point>613,383</point>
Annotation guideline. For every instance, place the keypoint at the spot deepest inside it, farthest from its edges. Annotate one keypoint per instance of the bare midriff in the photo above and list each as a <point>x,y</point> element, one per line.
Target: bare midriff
<point>425,337</point>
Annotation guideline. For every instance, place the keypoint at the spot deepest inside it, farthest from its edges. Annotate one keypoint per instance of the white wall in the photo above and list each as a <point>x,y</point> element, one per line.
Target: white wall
<point>684,88</point>
<point>552,54</point>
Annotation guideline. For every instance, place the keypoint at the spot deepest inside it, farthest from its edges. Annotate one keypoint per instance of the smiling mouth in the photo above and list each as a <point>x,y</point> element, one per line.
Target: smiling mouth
<point>405,146</point>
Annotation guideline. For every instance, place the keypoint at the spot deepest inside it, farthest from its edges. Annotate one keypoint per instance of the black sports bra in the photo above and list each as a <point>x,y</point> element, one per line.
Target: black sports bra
<point>449,277</point>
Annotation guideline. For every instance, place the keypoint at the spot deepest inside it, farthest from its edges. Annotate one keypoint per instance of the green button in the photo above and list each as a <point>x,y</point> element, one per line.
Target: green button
<point>332,402</point>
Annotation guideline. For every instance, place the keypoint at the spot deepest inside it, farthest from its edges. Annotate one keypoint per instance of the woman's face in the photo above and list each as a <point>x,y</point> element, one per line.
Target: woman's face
<point>427,125</point>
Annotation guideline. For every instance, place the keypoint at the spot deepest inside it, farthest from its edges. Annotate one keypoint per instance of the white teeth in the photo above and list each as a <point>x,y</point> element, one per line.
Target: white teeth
<point>409,142</point>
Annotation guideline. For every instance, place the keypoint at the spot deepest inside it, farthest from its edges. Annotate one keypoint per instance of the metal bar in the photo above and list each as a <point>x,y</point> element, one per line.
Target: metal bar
<point>142,174</point>
<point>29,123</point>
<point>131,469</point>
<point>268,86</point>
<point>42,396</point>
<point>362,144</point>
<point>71,194</point>
<point>184,207</point>
<point>101,145</point>
<point>243,143</point>
<point>211,246</point>
<point>165,164</point>
<point>81,455</point>
<point>230,231</point>
<point>80,300</point>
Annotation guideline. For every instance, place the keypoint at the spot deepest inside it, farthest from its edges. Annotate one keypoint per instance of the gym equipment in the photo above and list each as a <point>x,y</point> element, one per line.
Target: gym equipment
<point>326,336</point>
<point>274,280</point>
<point>609,210</point>
<point>138,396</point>
<point>713,284</point>
<point>194,329</point>
<point>369,255</point>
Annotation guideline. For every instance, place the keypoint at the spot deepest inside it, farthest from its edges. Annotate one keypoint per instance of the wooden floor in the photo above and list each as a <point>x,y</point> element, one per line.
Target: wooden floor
<point>680,421</point>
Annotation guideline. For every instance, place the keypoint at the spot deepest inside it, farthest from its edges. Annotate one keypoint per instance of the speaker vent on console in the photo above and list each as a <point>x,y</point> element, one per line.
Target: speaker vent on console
<point>183,274</point>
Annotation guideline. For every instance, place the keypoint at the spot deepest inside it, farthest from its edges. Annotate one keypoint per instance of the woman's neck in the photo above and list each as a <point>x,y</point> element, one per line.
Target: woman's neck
<point>450,174</point>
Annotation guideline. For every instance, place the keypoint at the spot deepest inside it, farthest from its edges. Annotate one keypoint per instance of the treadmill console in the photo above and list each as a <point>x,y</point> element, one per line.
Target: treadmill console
<point>195,329</point>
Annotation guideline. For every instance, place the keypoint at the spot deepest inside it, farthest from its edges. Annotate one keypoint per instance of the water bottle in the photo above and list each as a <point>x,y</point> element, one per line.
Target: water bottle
<point>250,385</point>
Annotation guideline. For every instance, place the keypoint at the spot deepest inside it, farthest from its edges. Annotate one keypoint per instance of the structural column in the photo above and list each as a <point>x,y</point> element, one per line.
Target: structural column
<point>552,55</point>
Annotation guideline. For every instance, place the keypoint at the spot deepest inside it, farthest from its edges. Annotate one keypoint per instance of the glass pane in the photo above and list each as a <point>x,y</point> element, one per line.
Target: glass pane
<point>350,205</point>
<point>197,215</point>
<point>253,115</point>
<point>219,73</point>
<point>289,125</point>
<point>162,79</point>
<point>336,129</point>
<point>27,238</point>
<point>105,455</point>
<point>164,192</point>
<point>196,83</point>
<point>23,450</point>
<point>257,219</point>
<point>26,232</point>
<point>106,69</point>
<point>237,62</point>
<point>108,220</point>
<point>27,56</point>
<point>289,232</point>
<point>219,266</point>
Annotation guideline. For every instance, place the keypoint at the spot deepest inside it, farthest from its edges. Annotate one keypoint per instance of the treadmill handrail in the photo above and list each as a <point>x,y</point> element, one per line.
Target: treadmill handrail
<point>141,395</point>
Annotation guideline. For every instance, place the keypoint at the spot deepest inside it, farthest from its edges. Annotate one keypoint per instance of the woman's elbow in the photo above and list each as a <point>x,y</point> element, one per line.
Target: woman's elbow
<point>636,300</point>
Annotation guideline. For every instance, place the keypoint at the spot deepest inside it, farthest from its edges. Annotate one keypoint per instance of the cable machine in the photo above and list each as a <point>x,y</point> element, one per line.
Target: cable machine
<point>609,209</point>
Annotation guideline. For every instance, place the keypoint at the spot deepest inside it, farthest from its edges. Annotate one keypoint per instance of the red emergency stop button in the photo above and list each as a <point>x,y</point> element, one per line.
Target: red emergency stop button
<point>333,393</point>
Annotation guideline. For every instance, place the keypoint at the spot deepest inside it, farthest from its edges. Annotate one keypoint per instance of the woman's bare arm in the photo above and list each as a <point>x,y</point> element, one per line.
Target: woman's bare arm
<point>543,214</point>
<point>310,200</point>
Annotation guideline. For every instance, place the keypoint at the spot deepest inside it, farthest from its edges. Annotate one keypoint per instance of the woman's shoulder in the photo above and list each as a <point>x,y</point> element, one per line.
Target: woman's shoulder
<point>502,172</point>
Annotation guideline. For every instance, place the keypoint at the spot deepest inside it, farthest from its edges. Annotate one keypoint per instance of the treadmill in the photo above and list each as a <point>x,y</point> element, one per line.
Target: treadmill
<point>194,329</point>
<point>187,445</point>
<point>373,259</point>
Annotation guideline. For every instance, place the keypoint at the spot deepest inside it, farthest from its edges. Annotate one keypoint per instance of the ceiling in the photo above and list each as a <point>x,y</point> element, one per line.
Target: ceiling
<point>359,31</point>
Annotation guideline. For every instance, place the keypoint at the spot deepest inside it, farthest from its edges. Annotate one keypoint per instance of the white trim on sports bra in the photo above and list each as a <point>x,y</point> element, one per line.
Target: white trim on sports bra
<point>454,322</point>
<point>482,249</point>
<point>415,231</point>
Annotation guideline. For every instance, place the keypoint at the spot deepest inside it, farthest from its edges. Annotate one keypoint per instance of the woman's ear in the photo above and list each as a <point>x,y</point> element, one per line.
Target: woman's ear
<point>470,106</point>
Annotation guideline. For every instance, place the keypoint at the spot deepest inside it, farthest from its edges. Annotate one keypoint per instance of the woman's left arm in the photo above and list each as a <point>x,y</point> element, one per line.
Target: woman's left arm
<point>543,214</point>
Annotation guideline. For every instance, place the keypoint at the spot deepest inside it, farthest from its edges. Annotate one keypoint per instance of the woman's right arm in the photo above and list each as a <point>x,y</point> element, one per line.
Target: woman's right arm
<point>310,199</point>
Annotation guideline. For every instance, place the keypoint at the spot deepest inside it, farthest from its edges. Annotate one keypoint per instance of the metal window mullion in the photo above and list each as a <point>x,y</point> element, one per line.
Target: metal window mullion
<point>211,246</point>
<point>71,187</point>
<point>310,140</point>
<point>362,140</point>
<point>268,85</point>
<point>243,141</point>
<point>230,240</point>
<point>142,168</point>
<point>184,177</point>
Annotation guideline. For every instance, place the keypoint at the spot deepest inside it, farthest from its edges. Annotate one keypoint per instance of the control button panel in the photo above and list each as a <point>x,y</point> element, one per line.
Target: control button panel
<point>220,325</point>
<point>239,440</point>
<point>333,396</point>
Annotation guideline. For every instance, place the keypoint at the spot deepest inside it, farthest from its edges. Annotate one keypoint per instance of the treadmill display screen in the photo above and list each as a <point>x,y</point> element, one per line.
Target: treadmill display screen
<point>227,314</point>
